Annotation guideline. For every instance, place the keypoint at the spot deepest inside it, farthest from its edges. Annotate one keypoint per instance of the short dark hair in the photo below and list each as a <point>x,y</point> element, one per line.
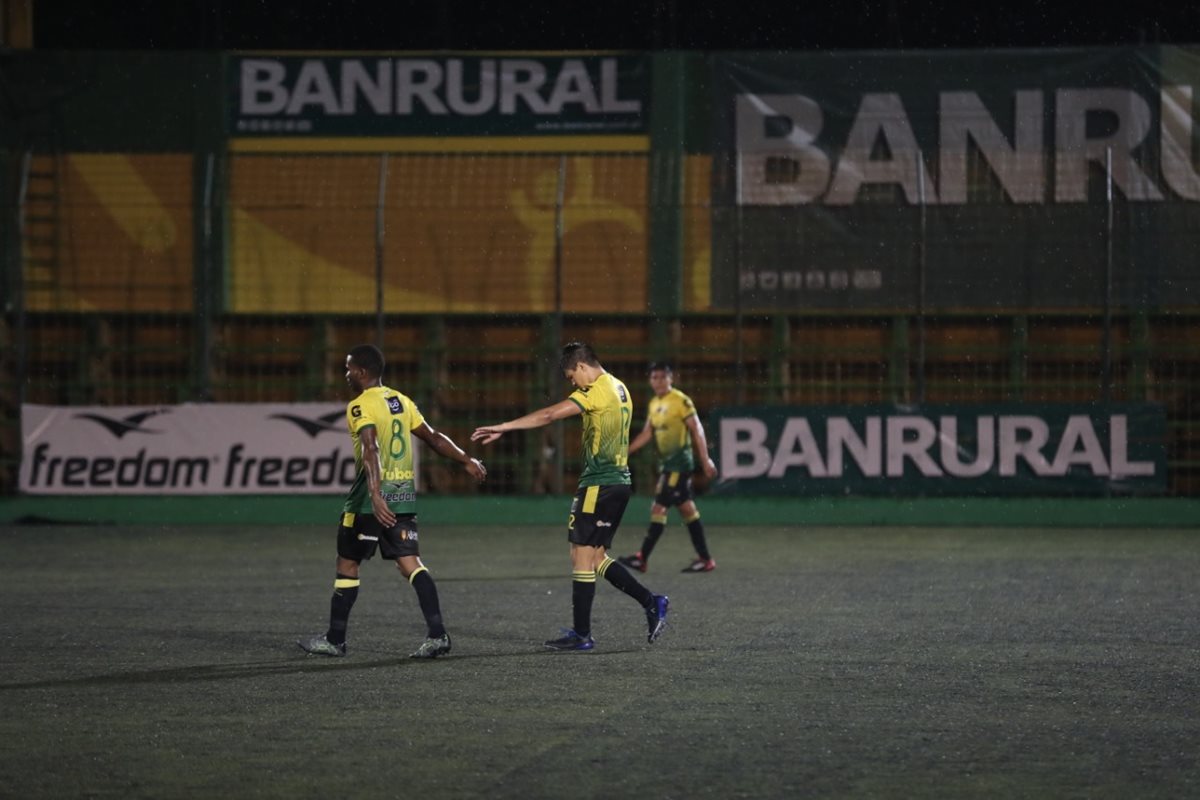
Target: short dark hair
<point>369,358</point>
<point>660,366</point>
<point>575,353</point>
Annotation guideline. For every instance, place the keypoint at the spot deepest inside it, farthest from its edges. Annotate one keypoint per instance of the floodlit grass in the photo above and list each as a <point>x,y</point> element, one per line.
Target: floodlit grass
<point>883,662</point>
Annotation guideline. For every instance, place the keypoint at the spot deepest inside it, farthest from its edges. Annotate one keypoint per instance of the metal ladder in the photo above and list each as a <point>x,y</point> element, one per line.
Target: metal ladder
<point>41,229</point>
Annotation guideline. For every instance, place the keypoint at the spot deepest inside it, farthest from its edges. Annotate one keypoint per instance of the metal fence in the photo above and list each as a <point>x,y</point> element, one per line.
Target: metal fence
<point>133,281</point>
<point>465,370</point>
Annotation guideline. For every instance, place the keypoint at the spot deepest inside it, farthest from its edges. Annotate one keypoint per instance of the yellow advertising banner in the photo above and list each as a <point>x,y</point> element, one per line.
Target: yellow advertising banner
<point>465,232</point>
<point>108,232</point>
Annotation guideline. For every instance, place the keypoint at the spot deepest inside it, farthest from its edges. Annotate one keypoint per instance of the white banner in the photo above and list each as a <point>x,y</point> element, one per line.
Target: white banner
<point>260,448</point>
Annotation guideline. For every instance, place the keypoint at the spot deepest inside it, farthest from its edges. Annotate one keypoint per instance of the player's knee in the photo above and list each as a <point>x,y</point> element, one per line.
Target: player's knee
<point>409,566</point>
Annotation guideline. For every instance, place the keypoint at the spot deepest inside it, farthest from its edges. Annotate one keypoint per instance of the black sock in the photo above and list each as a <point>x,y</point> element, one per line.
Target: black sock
<point>696,529</point>
<point>583,592</point>
<point>427,596</point>
<point>623,579</point>
<point>345,592</point>
<point>657,525</point>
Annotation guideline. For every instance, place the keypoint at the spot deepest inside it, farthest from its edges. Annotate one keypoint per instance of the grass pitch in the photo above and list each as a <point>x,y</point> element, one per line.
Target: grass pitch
<point>885,662</point>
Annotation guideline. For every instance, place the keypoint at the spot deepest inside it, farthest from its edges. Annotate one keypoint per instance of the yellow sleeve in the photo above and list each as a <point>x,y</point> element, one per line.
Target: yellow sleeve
<point>415,419</point>
<point>687,409</point>
<point>580,398</point>
<point>356,416</point>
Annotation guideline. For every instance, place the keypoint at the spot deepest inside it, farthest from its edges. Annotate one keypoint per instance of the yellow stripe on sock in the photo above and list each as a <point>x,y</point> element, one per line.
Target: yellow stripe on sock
<point>584,577</point>
<point>589,499</point>
<point>417,572</point>
<point>348,520</point>
<point>346,583</point>
<point>603,568</point>
<point>661,519</point>
<point>673,479</point>
<point>692,518</point>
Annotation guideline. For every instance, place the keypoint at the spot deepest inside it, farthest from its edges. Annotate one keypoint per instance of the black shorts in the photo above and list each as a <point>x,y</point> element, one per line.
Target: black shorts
<point>359,535</point>
<point>596,514</point>
<point>674,489</point>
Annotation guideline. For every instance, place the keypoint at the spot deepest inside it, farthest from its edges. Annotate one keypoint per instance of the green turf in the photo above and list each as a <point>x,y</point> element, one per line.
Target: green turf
<point>882,662</point>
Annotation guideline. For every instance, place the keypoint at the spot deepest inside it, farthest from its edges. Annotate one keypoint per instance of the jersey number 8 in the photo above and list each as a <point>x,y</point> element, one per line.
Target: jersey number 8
<point>397,446</point>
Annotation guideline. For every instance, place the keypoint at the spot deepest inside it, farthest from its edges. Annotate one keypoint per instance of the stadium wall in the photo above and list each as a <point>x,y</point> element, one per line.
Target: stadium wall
<point>551,510</point>
<point>161,274</point>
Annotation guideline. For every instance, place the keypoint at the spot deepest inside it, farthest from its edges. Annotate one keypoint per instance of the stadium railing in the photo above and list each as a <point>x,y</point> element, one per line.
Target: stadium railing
<point>465,370</point>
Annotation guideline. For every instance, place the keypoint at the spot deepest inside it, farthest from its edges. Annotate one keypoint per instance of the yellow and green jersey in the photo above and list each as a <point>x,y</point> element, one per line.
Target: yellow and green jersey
<point>607,411</point>
<point>393,416</point>
<point>668,418</point>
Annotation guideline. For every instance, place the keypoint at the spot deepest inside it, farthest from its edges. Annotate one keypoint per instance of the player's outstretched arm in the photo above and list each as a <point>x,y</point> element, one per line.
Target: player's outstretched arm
<point>537,419</point>
<point>642,439</point>
<point>443,445</point>
<point>700,446</point>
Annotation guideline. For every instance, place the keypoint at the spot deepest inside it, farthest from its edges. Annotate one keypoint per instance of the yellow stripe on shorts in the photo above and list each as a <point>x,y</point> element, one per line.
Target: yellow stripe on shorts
<point>673,479</point>
<point>589,499</point>
<point>348,520</point>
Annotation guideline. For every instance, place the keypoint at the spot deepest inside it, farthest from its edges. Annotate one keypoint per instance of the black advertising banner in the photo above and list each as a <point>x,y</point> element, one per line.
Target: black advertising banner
<point>947,450</point>
<point>956,179</point>
<point>410,95</point>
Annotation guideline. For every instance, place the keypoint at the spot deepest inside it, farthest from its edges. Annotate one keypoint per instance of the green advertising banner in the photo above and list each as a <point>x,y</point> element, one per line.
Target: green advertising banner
<point>1052,179</point>
<point>985,450</point>
<point>512,94</point>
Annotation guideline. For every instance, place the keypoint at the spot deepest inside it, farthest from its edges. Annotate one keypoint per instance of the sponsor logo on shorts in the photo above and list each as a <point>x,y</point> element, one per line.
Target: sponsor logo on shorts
<point>603,524</point>
<point>362,537</point>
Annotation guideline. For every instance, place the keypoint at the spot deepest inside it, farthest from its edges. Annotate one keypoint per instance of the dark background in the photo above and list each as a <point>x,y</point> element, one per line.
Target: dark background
<point>601,24</point>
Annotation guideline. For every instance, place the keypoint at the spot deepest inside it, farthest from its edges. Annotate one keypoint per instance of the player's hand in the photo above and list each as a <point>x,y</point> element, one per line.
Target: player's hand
<point>487,434</point>
<point>477,469</point>
<point>710,469</point>
<point>382,513</point>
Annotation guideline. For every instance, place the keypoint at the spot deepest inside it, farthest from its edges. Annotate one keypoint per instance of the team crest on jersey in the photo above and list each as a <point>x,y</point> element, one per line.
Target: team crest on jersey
<point>394,406</point>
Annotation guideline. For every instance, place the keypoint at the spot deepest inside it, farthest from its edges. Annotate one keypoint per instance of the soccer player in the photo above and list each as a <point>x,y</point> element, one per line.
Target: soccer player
<point>604,490</point>
<point>679,437</point>
<point>380,510</point>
